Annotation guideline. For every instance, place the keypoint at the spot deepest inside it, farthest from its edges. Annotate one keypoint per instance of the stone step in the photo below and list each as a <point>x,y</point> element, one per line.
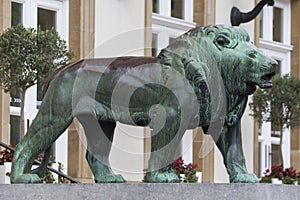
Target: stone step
<point>147,191</point>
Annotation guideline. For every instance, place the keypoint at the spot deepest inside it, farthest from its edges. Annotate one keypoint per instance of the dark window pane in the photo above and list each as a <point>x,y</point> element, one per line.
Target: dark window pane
<point>154,45</point>
<point>259,157</point>
<point>261,22</point>
<point>15,130</point>
<point>16,13</point>
<point>177,8</point>
<point>155,6</point>
<point>46,19</point>
<point>277,24</point>
<point>15,98</point>
<point>275,154</point>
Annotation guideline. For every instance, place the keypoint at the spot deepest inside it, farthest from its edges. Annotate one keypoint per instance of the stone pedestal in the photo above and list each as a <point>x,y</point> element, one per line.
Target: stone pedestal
<point>150,191</point>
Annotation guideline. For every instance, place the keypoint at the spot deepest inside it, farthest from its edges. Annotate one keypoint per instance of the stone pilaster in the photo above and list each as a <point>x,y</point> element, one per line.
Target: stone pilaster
<point>203,155</point>
<point>204,12</point>
<point>81,42</point>
<point>203,148</point>
<point>5,21</point>
<point>295,70</point>
<point>148,27</point>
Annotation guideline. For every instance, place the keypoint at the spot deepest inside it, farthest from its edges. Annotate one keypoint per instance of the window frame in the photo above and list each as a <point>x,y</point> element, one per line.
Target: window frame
<point>164,9</point>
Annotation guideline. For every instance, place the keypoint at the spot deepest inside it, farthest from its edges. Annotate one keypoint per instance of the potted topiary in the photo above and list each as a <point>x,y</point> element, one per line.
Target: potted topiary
<point>27,57</point>
<point>278,105</point>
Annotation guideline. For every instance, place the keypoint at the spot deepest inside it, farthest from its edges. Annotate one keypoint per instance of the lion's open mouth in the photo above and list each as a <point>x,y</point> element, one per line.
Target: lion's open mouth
<point>266,80</point>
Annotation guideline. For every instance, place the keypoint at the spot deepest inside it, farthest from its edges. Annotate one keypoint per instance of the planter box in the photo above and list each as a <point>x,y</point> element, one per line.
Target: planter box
<point>276,181</point>
<point>198,175</point>
<point>3,170</point>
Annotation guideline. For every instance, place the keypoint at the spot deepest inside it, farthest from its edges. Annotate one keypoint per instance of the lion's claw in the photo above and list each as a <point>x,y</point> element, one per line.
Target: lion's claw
<point>26,178</point>
<point>110,178</point>
<point>244,178</point>
<point>161,177</point>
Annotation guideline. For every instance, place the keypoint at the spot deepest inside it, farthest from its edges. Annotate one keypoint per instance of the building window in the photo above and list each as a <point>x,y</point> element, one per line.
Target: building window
<point>154,45</point>
<point>17,13</point>
<point>275,41</point>
<point>155,6</point>
<point>177,9</point>
<point>181,9</point>
<point>46,19</point>
<point>261,20</point>
<point>277,24</point>
<point>15,130</point>
<point>172,20</point>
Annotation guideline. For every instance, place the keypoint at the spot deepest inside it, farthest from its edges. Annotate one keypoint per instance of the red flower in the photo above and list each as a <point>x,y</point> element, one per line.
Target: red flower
<point>6,156</point>
<point>180,166</point>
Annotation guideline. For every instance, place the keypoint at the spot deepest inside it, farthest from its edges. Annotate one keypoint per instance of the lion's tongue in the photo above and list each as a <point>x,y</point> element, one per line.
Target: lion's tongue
<point>266,85</point>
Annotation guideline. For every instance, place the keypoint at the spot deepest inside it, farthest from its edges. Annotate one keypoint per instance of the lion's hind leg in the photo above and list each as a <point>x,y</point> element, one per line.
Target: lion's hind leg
<point>99,136</point>
<point>40,136</point>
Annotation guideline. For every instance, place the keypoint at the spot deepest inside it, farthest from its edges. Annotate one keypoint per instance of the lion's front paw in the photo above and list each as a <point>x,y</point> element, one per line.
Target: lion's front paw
<point>110,178</point>
<point>161,177</point>
<point>26,178</point>
<point>244,178</point>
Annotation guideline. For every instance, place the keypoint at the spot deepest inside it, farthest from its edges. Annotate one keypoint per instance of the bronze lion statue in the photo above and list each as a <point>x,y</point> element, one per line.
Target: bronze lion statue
<point>201,79</point>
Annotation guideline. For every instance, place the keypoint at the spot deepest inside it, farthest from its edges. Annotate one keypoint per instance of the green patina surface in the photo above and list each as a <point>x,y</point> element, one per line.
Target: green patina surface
<point>202,79</point>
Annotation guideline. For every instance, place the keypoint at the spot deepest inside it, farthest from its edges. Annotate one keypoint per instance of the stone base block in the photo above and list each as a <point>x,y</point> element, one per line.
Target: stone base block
<point>148,191</point>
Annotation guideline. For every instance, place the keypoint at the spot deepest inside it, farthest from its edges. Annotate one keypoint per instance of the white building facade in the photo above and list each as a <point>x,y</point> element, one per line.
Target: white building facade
<point>112,28</point>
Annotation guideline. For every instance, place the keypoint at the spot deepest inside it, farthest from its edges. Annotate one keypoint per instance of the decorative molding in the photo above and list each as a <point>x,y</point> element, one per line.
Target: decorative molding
<point>172,22</point>
<point>275,46</point>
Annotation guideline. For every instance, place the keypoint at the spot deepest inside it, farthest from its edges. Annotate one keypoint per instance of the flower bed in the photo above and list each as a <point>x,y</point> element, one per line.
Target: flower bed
<point>286,176</point>
<point>185,172</point>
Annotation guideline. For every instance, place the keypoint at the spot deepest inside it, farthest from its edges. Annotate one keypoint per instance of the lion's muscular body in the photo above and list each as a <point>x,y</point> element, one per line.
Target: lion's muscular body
<point>202,79</point>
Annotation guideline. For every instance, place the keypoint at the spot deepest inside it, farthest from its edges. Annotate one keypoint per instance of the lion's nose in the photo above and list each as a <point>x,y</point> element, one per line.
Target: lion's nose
<point>274,64</point>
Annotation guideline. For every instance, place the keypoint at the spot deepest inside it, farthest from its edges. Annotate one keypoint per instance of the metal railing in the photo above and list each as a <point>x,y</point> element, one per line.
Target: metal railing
<point>72,180</point>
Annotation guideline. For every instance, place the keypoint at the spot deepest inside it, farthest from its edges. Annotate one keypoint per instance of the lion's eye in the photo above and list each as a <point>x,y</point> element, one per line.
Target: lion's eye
<point>252,55</point>
<point>222,41</point>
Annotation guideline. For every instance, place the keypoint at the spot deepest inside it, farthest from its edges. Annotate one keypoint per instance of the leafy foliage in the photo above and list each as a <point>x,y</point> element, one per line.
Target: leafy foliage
<point>280,104</point>
<point>28,56</point>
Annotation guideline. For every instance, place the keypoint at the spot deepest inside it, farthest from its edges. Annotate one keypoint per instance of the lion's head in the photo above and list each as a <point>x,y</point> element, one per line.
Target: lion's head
<point>241,64</point>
